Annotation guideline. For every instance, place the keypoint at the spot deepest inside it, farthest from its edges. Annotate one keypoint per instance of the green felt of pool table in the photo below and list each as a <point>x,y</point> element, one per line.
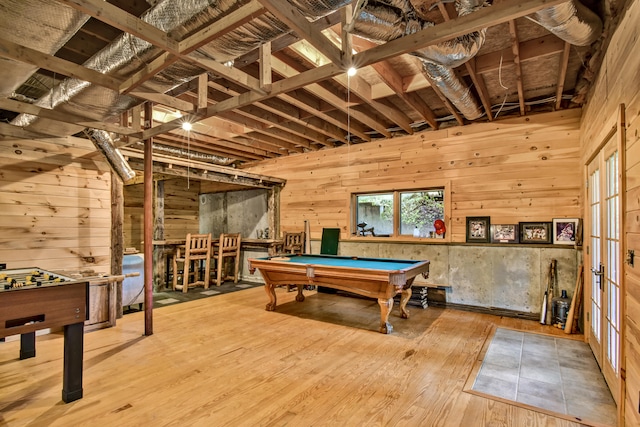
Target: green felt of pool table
<point>350,262</point>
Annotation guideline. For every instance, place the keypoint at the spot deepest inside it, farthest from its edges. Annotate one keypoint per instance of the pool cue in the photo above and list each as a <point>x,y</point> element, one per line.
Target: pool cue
<point>568,327</point>
<point>307,237</point>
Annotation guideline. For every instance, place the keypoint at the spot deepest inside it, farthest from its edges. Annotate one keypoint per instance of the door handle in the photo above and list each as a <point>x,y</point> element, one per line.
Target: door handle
<point>599,273</point>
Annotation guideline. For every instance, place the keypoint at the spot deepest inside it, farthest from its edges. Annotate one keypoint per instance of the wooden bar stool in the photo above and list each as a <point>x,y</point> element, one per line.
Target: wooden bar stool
<point>197,249</point>
<point>227,249</point>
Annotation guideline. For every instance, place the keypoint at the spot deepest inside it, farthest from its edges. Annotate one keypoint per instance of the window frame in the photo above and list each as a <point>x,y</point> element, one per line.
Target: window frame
<point>435,185</point>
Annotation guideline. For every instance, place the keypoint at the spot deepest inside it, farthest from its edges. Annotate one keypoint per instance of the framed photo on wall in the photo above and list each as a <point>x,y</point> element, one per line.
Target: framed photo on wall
<point>478,229</point>
<point>565,231</point>
<point>535,232</point>
<point>504,233</point>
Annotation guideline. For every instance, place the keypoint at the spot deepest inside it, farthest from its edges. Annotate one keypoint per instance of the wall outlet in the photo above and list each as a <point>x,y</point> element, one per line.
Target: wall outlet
<point>3,266</point>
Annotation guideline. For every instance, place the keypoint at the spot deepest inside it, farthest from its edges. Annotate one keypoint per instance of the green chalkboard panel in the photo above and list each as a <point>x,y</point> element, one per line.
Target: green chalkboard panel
<point>330,239</point>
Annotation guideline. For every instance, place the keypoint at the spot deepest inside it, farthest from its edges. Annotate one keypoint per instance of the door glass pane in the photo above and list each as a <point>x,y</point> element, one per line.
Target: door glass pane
<point>594,185</point>
<point>612,279</point>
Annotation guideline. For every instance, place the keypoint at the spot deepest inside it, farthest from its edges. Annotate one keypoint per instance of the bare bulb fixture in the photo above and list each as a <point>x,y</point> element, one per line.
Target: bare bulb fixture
<point>352,71</point>
<point>186,126</point>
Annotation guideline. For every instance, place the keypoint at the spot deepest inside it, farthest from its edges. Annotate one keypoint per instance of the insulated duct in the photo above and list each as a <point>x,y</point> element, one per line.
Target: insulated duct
<point>41,25</point>
<point>376,20</point>
<point>103,142</point>
<point>127,54</point>
<point>572,22</point>
<point>189,154</point>
<point>382,22</point>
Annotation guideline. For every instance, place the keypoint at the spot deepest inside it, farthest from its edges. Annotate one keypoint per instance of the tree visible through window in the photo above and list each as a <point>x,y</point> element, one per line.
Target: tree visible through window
<point>375,213</point>
<point>419,210</point>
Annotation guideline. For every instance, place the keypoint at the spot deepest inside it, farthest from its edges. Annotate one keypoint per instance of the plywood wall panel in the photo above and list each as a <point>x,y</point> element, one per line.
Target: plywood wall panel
<point>55,205</point>
<point>181,211</point>
<point>617,83</point>
<point>475,159</point>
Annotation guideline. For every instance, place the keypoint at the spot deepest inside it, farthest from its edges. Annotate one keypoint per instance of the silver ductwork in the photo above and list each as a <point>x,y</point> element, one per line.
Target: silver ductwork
<point>382,22</point>
<point>127,54</point>
<point>104,143</point>
<point>572,22</point>
<point>187,154</point>
<point>376,20</point>
<point>41,25</point>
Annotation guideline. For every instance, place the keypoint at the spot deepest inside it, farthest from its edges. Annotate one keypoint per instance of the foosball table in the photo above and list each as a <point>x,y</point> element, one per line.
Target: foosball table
<point>33,299</point>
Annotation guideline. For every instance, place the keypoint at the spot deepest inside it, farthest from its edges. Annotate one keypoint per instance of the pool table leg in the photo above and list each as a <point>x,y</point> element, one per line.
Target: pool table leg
<point>404,299</point>
<point>300,296</point>
<point>385,308</point>
<point>271,293</point>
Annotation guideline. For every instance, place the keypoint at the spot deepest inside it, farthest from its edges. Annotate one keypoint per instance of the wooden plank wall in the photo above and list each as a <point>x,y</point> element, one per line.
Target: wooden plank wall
<point>618,83</point>
<point>181,208</point>
<point>517,169</point>
<point>55,204</point>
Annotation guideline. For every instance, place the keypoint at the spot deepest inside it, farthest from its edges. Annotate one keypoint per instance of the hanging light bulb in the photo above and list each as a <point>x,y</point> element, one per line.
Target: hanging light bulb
<point>186,126</point>
<point>352,71</point>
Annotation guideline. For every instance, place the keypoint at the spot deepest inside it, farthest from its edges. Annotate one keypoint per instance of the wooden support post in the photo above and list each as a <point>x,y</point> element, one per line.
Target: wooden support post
<point>159,253</point>
<point>346,17</point>
<point>203,90</point>
<point>265,66</point>
<point>117,238</point>
<point>148,223</point>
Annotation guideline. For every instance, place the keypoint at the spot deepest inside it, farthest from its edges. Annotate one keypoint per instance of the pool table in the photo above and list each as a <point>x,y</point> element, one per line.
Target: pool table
<point>379,278</point>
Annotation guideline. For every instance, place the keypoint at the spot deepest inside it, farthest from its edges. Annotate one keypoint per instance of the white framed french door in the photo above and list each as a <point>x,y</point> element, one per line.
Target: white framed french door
<point>603,233</point>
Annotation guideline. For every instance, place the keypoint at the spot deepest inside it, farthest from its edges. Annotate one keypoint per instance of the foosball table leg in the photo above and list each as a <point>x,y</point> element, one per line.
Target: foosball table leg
<point>72,369</point>
<point>27,345</point>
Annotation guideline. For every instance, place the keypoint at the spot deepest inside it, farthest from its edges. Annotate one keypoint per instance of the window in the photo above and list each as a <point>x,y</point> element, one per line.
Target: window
<point>377,214</point>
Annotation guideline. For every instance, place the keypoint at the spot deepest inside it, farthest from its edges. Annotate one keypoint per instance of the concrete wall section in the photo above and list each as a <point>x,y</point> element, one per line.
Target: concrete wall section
<point>235,211</point>
<point>500,277</point>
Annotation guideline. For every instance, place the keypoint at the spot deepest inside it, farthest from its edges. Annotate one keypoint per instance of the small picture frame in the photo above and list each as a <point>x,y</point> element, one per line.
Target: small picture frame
<point>565,231</point>
<point>535,232</point>
<point>504,233</point>
<point>478,229</point>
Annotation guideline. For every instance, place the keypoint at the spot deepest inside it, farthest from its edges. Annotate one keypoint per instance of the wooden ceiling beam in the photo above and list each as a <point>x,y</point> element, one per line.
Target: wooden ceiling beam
<point>285,40</point>
<point>45,113</point>
<point>394,81</point>
<point>283,113</point>
<point>206,144</point>
<point>206,171</point>
<point>322,122</point>
<point>261,131</point>
<point>515,48</point>
<point>60,66</point>
<point>356,85</point>
<point>564,64</point>
<point>287,13</point>
<point>230,22</point>
<point>229,73</point>
<point>485,17</point>
<point>265,66</point>
<point>530,50</point>
<point>291,74</point>
<point>265,120</point>
<point>122,20</point>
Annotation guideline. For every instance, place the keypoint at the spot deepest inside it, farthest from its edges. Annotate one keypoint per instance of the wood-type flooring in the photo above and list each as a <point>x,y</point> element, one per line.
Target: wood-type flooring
<point>225,361</point>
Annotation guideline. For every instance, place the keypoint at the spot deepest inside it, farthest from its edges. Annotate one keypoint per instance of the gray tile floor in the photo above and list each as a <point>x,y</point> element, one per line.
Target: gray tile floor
<point>556,374</point>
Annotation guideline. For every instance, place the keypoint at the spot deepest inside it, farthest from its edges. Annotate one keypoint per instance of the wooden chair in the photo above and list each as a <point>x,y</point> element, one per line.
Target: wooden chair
<point>293,243</point>
<point>197,249</point>
<point>225,250</point>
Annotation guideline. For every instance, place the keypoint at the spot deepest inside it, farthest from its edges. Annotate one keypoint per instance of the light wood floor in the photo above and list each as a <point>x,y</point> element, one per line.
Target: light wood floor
<point>225,361</point>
